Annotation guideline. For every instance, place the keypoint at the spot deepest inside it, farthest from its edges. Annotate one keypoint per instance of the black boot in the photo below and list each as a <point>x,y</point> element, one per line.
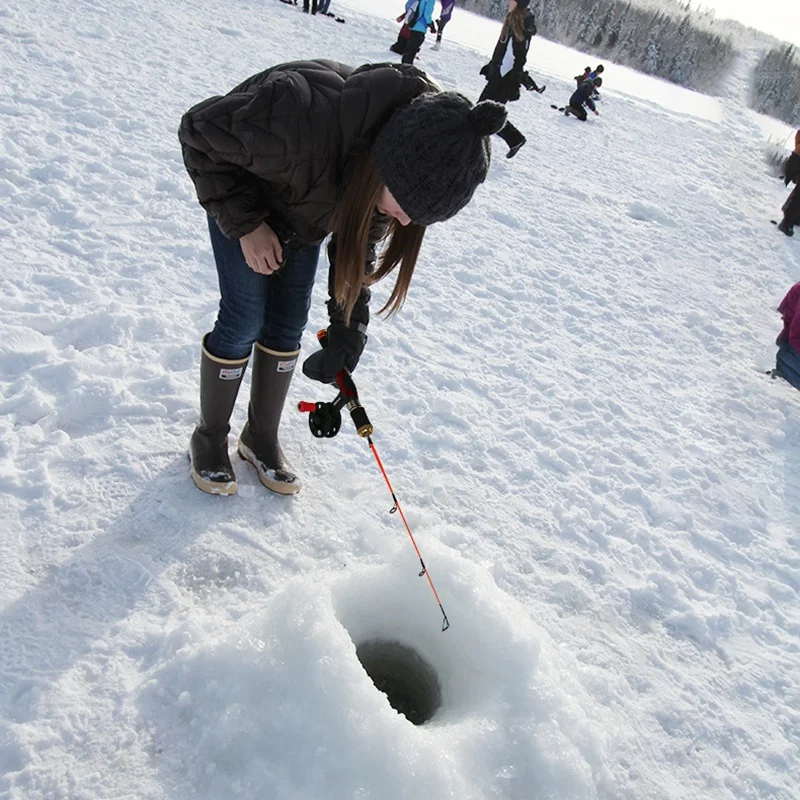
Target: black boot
<point>220,379</point>
<point>783,227</point>
<point>512,137</point>
<point>258,444</point>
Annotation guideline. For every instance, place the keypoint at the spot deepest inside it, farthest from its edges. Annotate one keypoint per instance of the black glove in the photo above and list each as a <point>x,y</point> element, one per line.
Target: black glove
<point>343,348</point>
<point>485,70</point>
<point>432,27</point>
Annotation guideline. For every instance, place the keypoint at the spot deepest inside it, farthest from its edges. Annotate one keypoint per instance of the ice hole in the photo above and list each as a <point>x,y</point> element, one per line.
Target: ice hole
<point>407,680</point>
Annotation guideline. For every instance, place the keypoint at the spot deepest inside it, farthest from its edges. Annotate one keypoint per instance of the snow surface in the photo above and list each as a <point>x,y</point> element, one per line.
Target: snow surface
<point>571,408</point>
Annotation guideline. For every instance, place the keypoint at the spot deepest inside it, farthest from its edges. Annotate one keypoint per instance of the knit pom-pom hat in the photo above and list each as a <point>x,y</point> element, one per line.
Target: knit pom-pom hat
<point>433,153</point>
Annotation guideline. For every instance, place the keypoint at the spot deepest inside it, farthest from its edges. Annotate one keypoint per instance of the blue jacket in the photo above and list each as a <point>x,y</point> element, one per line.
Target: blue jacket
<point>425,14</point>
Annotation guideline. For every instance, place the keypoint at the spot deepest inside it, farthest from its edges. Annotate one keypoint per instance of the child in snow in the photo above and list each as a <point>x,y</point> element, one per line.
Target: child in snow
<point>418,17</point>
<point>589,74</point>
<point>400,45</point>
<point>249,154</point>
<point>581,97</point>
<point>788,358</point>
<point>505,72</point>
<point>791,208</point>
<point>444,18</point>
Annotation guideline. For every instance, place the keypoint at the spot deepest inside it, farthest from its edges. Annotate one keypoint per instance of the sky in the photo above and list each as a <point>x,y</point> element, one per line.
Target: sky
<point>780,18</point>
<point>572,407</point>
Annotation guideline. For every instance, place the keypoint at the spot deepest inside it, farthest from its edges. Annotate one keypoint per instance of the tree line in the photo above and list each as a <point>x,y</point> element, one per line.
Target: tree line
<point>776,84</point>
<point>669,41</point>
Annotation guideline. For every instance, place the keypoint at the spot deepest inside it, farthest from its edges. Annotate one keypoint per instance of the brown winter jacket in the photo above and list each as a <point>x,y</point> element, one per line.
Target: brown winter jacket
<point>278,148</point>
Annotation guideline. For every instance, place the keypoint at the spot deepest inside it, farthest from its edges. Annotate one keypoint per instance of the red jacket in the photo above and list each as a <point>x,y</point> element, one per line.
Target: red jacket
<point>790,309</point>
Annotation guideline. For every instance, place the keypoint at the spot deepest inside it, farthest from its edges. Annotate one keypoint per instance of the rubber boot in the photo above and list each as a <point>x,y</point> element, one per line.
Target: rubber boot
<point>513,138</point>
<point>258,444</point>
<point>220,379</point>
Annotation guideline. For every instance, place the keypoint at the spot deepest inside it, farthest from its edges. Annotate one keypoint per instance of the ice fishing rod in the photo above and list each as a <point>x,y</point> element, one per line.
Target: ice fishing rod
<point>325,420</point>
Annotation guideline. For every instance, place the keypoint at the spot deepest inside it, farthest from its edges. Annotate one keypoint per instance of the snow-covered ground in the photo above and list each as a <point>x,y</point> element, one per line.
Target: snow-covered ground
<point>571,408</point>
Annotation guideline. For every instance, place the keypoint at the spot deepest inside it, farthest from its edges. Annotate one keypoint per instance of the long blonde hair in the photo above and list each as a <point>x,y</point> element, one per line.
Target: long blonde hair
<point>351,222</point>
<point>515,22</point>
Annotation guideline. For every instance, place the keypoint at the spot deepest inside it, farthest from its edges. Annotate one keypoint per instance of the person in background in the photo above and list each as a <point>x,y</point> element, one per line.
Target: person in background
<point>290,155</point>
<point>505,71</point>
<point>400,45</point>
<point>419,17</point>
<point>581,97</point>
<point>791,208</point>
<point>788,358</point>
<point>444,18</point>
<point>579,79</point>
<point>589,74</point>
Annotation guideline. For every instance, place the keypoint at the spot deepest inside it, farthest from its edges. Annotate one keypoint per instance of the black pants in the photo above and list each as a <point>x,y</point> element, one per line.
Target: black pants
<point>578,111</point>
<point>792,168</point>
<point>415,41</point>
<point>791,208</point>
<point>313,6</point>
<point>400,45</point>
<point>439,28</point>
<point>509,133</point>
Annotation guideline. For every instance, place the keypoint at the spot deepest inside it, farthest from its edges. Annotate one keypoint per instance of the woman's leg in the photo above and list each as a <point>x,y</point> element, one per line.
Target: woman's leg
<point>243,298</point>
<point>223,362</point>
<point>288,300</point>
<point>274,362</point>
<point>513,137</point>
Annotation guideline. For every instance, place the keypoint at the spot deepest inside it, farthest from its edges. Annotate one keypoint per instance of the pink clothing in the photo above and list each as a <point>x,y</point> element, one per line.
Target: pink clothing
<point>790,309</point>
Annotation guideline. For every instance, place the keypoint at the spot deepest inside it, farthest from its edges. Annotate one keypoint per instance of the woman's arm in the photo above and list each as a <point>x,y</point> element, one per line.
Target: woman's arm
<point>233,144</point>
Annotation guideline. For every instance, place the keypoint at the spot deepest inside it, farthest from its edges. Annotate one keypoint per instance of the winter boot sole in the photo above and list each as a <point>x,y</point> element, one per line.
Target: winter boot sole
<point>268,477</point>
<point>210,486</point>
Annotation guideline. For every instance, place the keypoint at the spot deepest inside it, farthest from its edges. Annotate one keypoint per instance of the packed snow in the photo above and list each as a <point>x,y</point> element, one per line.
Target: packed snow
<point>572,410</point>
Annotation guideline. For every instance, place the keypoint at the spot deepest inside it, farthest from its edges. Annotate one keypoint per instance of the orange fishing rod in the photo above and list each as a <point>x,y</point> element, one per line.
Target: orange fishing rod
<point>325,419</point>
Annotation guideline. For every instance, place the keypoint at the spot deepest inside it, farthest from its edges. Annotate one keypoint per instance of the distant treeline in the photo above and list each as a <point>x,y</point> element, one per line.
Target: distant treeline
<point>776,85</point>
<point>669,46</point>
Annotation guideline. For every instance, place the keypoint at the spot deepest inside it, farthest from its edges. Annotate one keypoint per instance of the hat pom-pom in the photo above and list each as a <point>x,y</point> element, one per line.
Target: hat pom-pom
<point>488,117</point>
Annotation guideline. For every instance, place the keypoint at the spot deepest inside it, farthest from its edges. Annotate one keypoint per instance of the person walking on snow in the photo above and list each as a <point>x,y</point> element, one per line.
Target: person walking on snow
<point>581,97</point>
<point>444,18</point>
<point>505,72</point>
<point>400,45</point>
<point>419,17</point>
<point>292,154</point>
<point>791,208</point>
<point>788,358</point>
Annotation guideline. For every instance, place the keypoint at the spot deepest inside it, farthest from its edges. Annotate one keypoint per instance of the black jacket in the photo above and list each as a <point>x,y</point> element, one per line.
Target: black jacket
<point>792,169</point>
<point>583,95</point>
<point>505,88</point>
<point>278,149</point>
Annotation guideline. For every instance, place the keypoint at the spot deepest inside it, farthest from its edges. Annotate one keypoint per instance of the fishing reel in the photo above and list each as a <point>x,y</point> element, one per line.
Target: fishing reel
<point>325,419</point>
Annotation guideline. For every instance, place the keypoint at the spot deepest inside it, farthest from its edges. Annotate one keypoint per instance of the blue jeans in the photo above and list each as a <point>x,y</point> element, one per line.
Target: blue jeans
<point>788,364</point>
<point>269,309</point>
<point>323,6</point>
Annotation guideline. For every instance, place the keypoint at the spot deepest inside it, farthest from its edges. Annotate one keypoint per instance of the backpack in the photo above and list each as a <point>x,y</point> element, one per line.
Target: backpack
<point>412,15</point>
